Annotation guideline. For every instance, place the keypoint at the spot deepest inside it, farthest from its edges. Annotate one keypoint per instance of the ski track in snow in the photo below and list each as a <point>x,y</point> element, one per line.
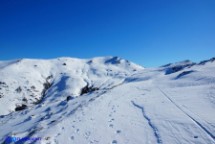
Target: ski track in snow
<point>193,119</point>
<point>153,127</point>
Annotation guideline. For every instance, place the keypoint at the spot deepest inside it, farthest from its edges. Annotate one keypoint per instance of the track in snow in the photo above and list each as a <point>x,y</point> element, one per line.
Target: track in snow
<point>193,119</point>
<point>154,128</point>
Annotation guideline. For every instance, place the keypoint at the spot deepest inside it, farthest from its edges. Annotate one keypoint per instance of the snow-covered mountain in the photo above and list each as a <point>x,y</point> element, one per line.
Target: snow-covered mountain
<point>106,100</point>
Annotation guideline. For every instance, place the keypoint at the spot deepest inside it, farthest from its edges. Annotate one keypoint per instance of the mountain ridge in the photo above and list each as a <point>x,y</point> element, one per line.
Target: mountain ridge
<point>106,100</point>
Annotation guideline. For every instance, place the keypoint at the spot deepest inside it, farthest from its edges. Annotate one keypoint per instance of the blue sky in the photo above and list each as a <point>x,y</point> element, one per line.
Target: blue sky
<point>147,32</point>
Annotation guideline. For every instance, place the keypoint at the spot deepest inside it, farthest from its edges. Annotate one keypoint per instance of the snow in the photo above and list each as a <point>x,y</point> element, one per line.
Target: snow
<point>128,105</point>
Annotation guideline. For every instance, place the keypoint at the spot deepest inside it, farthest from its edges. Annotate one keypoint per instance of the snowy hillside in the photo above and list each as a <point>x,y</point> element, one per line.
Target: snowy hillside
<point>106,100</point>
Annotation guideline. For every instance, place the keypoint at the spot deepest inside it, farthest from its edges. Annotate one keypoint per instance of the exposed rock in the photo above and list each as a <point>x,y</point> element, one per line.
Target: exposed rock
<point>20,108</point>
<point>88,89</point>
<point>68,98</point>
<point>206,61</point>
<point>184,73</point>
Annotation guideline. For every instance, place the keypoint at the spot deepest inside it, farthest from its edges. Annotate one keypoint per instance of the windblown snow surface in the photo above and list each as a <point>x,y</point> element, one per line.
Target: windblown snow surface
<point>107,100</point>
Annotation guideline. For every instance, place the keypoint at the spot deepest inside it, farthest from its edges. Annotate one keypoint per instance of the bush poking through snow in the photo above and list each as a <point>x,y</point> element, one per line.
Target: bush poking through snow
<point>2,83</point>
<point>49,77</point>
<point>46,86</point>
<point>24,99</point>
<point>19,90</point>
<point>33,87</point>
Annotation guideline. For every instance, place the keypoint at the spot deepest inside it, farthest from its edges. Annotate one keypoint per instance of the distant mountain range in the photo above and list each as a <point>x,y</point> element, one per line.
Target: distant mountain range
<point>106,100</point>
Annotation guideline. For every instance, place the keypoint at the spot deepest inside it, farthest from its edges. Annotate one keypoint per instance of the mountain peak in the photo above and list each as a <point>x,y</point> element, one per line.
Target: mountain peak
<point>30,78</point>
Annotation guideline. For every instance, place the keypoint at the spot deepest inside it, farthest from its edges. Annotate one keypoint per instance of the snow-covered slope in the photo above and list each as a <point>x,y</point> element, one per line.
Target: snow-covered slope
<point>25,82</point>
<point>106,100</point>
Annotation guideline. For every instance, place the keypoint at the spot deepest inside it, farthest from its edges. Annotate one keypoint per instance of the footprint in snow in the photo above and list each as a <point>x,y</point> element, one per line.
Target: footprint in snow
<point>118,131</point>
<point>72,137</point>
<point>111,120</point>
<point>87,134</point>
<point>114,142</point>
<point>77,130</point>
<point>111,125</point>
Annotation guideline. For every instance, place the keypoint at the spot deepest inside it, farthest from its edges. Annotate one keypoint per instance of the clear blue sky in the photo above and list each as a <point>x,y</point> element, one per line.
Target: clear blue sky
<point>147,32</point>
